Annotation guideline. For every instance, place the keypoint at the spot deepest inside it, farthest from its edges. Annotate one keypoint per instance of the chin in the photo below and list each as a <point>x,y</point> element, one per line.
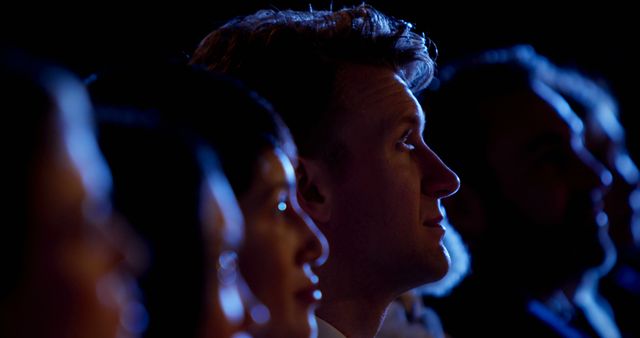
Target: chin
<point>442,266</point>
<point>440,272</point>
<point>438,268</point>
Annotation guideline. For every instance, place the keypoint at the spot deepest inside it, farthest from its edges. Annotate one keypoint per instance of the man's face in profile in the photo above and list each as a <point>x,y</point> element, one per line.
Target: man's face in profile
<point>385,221</point>
<point>550,184</point>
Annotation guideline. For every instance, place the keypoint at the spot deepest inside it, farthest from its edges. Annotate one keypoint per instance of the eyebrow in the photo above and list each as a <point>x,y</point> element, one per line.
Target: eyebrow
<point>277,187</point>
<point>406,118</point>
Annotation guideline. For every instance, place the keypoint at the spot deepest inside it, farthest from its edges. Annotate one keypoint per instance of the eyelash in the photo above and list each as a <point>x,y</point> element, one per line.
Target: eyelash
<point>402,143</point>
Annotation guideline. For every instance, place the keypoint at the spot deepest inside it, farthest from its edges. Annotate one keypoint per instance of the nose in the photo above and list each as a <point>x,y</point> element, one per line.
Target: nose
<point>625,184</point>
<point>124,249</point>
<point>128,250</point>
<point>314,248</point>
<point>590,174</point>
<point>627,170</point>
<point>438,180</point>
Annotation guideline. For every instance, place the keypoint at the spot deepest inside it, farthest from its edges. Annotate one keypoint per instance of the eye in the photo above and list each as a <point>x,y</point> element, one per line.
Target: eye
<point>405,144</point>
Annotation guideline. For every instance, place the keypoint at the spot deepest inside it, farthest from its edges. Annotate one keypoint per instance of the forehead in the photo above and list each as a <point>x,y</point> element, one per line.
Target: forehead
<point>527,116</point>
<point>276,170</point>
<point>374,96</point>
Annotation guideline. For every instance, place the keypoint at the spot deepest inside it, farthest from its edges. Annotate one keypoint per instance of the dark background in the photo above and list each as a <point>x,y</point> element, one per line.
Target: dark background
<point>600,39</point>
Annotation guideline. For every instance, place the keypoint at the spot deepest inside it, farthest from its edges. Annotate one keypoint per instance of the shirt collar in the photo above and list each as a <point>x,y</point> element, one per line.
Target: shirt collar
<point>326,330</point>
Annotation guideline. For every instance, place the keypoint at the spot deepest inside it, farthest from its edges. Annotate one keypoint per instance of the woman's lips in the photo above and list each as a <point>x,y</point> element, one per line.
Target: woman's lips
<point>434,223</point>
<point>309,295</point>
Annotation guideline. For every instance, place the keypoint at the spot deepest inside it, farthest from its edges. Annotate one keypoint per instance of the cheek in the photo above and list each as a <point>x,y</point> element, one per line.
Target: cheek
<point>95,294</point>
<point>267,257</point>
<point>402,188</point>
<point>397,179</point>
<point>545,203</point>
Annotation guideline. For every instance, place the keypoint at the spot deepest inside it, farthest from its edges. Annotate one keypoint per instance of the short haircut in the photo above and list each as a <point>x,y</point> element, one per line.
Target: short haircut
<point>292,58</point>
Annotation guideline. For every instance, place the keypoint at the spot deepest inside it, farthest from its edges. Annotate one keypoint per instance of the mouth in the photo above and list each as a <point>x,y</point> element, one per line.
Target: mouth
<point>309,295</point>
<point>434,223</point>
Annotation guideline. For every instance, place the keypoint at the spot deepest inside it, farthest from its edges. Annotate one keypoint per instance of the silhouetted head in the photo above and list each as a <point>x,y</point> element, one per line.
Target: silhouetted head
<point>605,139</point>
<point>65,256</point>
<point>532,191</point>
<point>169,185</point>
<point>175,196</point>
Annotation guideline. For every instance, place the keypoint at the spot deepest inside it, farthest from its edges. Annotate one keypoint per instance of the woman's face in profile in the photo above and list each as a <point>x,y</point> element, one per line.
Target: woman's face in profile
<point>281,246</point>
<point>79,274</point>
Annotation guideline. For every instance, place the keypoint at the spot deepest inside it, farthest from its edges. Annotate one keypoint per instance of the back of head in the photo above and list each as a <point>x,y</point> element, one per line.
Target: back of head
<point>158,177</point>
<point>526,173</point>
<point>604,136</point>
<point>471,110</point>
<point>292,58</point>
<point>589,97</point>
<point>30,112</point>
<point>232,119</point>
<point>456,104</point>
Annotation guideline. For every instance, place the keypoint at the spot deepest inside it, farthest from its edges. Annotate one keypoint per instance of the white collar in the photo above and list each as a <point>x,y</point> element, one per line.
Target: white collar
<point>326,330</point>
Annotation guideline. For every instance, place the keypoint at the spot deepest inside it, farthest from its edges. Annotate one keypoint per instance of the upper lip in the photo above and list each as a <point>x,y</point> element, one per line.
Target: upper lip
<point>434,221</point>
<point>308,291</point>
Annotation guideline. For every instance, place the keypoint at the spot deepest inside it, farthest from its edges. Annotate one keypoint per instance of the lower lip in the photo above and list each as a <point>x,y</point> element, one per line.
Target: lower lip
<point>436,227</point>
<point>309,296</point>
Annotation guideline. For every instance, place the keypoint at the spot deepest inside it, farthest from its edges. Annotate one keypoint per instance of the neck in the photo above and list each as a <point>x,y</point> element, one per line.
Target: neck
<point>354,318</point>
<point>353,302</point>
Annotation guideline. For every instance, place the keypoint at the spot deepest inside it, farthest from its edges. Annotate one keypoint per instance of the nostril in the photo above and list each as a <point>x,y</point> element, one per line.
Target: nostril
<point>451,186</point>
<point>315,249</point>
<point>456,187</point>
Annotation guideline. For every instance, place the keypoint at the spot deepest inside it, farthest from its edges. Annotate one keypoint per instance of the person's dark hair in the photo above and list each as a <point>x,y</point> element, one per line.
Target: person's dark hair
<point>292,58</point>
<point>29,109</point>
<point>158,179</point>
<point>586,95</point>
<point>237,123</point>
<point>455,101</point>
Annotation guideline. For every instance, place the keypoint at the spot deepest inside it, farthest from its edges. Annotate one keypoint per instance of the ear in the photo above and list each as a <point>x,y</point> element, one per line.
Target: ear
<point>314,193</point>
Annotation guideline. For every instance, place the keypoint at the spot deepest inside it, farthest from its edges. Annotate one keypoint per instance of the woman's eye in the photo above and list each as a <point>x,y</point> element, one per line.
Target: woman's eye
<point>404,143</point>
